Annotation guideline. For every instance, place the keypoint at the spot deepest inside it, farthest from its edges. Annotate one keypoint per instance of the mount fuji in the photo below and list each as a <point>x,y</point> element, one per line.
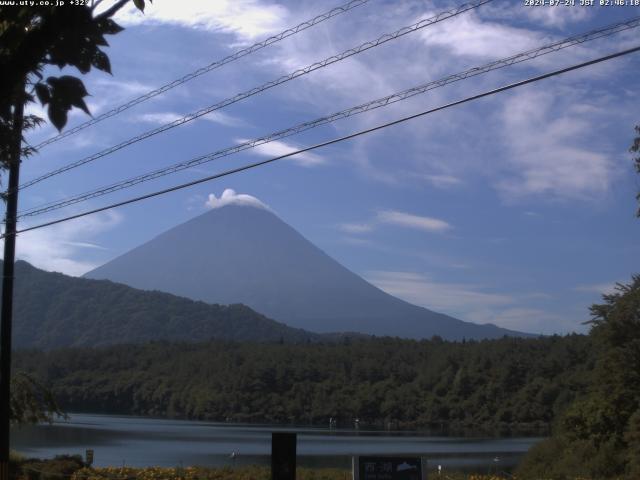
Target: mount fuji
<point>243,253</point>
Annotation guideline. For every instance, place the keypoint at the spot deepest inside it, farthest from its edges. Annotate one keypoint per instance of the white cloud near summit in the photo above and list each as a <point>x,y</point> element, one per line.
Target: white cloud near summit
<point>230,197</point>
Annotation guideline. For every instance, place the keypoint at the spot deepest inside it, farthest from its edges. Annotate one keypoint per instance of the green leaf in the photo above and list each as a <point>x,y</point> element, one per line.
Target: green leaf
<point>67,83</point>
<point>66,91</point>
<point>99,40</point>
<point>57,115</point>
<point>139,4</point>
<point>43,93</point>
<point>110,27</point>
<point>101,61</point>
<point>83,61</point>
<point>79,103</point>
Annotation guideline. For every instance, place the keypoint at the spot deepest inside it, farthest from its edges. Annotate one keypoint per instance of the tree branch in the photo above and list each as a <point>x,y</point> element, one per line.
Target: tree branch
<point>113,10</point>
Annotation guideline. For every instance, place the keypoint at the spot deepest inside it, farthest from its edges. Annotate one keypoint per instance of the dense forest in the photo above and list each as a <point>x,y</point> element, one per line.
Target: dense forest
<point>508,383</point>
<point>53,310</point>
<point>598,435</point>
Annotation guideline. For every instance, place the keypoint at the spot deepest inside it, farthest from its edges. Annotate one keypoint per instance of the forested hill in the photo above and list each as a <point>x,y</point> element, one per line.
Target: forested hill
<point>52,310</point>
<point>493,383</point>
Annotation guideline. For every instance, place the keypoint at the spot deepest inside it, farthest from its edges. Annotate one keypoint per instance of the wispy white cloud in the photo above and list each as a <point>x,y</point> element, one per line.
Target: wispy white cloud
<point>224,119</point>
<point>443,181</point>
<point>446,297</point>
<point>469,35</point>
<point>230,197</point>
<point>105,93</point>
<point>278,148</point>
<point>90,245</point>
<point>534,320</point>
<point>558,16</point>
<point>399,219</point>
<point>355,228</point>
<point>474,37</point>
<point>160,118</point>
<point>548,153</point>
<point>600,288</point>
<point>63,247</point>
<point>408,220</point>
<point>357,241</point>
<point>121,89</point>
<point>247,19</point>
<point>473,302</point>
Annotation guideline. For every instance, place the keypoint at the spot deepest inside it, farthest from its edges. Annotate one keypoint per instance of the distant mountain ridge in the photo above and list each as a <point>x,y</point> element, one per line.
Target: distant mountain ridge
<point>246,254</point>
<point>52,310</point>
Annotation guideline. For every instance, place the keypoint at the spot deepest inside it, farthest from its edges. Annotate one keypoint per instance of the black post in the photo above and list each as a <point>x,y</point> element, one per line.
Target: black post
<point>7,285</point>
<point>283,456</point>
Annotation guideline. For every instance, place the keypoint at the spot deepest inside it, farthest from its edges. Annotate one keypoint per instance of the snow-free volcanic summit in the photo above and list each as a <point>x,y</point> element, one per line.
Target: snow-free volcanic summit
<point>241,252</point>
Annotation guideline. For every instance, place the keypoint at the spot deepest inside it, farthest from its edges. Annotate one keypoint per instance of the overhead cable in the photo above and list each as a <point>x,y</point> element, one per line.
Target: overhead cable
<point>365,107</point>
<point>256,90</point>
<point>329,142</point>
<point>212,66</point>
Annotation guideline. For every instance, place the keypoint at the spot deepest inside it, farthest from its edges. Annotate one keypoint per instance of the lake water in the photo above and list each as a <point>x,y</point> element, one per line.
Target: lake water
<point>135,441</point>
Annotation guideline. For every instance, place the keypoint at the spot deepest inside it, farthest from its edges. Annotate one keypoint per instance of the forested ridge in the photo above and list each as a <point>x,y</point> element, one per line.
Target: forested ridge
<point>512,383</point>
<point>53,310</point>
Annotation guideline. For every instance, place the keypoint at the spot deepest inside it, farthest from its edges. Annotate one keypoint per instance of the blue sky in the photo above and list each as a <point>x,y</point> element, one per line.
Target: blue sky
<point>516,209</point>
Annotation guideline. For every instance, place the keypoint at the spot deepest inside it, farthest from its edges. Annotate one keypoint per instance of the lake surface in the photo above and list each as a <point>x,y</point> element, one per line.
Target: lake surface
<point>141,442</point>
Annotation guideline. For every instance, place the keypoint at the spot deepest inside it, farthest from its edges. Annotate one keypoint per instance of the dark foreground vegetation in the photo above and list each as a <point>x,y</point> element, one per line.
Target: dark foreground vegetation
<point>598,436</point>
<point>73,468</point>
<point>510,383</point>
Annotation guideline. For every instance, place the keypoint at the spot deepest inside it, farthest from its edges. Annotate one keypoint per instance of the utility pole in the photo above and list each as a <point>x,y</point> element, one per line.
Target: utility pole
<point>7,280</point>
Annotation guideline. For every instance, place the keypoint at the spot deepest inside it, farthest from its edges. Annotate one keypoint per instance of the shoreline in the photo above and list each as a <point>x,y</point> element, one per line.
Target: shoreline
<point>503,430</point>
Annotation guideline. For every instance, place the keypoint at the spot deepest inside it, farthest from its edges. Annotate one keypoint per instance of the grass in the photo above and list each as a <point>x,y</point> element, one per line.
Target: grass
<point>72,468</point>
<point>68,468</point>
<point>240,473</point>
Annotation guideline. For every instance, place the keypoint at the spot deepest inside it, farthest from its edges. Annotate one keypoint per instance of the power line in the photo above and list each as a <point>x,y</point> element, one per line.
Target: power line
<point>208,68</point>
<point>286,78</point>
<point>374,104</point>
<point>330,142</point>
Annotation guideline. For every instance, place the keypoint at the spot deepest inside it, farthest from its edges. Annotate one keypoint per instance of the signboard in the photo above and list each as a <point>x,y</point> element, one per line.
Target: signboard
<point>389,468</point>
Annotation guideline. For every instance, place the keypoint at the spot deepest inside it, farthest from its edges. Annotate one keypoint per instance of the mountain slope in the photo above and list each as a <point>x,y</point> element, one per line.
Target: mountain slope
<point>245,254</point>
<point>53,310</point>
